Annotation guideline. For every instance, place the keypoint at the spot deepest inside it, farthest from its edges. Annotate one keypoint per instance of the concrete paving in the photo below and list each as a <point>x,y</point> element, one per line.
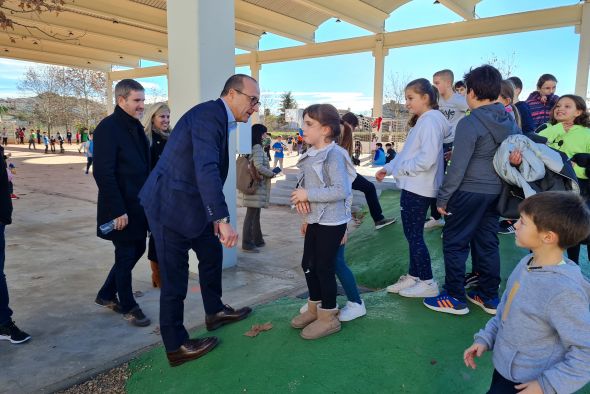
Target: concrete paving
<point>55,265</point>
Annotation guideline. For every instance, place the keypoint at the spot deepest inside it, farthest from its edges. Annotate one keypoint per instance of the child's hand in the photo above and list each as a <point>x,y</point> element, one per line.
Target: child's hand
<point>544,99</point>
<point>303,228</point>
<point>303,208</point>
<point>515,157</point>
<point>344,239</point>
<point>447,155</point>
<point>530,388</point>
<point>380,175</point>
<point>299,195</point>
<point>477,349</point>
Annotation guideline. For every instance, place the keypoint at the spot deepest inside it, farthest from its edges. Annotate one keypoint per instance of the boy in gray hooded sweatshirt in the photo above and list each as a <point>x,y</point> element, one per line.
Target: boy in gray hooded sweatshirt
<point>541,333</point>
<point>469,195</point>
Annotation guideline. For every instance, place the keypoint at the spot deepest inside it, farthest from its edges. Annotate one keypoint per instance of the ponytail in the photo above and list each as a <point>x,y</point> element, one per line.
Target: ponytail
<point>423,86</point>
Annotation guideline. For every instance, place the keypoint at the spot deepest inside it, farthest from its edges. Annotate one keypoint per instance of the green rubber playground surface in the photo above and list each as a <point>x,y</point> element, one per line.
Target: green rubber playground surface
<point>399,347</point>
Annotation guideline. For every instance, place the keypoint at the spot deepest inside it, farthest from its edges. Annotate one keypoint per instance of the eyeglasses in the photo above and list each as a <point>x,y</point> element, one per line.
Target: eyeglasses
<point>254,101</point>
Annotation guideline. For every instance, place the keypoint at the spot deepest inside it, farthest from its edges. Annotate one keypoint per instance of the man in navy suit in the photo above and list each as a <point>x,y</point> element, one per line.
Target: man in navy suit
<point>121,167</point>
<point>186,209</point>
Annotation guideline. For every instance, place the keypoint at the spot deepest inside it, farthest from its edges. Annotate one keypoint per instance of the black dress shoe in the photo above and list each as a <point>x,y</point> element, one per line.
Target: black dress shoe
<point>191,350</point>
<point>111,304</point>
<point>225,316</point>
<point>260,244</point>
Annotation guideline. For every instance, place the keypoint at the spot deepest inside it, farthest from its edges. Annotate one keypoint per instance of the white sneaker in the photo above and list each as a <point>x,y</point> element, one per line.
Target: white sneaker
<point>352,310</point>
<point>421,289</point>
<point>433,223</point>
<point>403,282</point>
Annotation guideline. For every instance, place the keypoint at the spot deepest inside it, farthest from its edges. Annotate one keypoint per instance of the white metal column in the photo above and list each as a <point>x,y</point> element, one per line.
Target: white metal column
<point>583,53</point>
<point>201,57</point>
<point>379,54</point>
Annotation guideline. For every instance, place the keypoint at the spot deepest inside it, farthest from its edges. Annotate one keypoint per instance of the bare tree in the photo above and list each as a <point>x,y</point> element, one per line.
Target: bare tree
<point>395,93</point>
<point>88,86</point>
<point>506,65</point>
<point>44,82</point>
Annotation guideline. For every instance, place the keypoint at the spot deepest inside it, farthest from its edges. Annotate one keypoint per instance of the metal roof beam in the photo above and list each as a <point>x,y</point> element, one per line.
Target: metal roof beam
<point>64,48</point>
<point>85,23</point>
<point>11,52</point>
<point>355,12</point>
<point>483,27</point>
<point>464,8</point>
<point>91,40</point>
<point>144,72</point>
<point>247,41</point>
<point>124,10</point>
<point>274,22</point>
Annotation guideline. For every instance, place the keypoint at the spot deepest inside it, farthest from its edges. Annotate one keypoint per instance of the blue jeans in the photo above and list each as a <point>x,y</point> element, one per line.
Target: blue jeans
<point>413,210</point>
<point>5,312</point>
<point>346,277</point>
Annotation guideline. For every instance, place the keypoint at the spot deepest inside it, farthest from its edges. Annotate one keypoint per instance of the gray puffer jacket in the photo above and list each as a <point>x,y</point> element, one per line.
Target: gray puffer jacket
<point>261,198</point>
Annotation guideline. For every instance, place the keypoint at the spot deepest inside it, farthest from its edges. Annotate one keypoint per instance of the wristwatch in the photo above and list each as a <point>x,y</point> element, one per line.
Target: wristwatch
<point>223,220</point>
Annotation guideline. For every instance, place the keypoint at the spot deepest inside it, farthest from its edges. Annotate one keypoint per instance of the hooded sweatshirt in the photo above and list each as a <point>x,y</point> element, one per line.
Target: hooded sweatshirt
<point>418,168</point>
<point>541,330</point>
<point>476,140</point>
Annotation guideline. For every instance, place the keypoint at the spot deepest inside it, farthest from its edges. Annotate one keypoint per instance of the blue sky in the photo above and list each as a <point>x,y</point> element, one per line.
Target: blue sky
<point>347,81</point>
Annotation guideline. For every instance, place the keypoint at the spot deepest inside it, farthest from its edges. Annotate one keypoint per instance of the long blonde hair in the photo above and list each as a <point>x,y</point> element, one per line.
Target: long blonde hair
<point>148,117</point>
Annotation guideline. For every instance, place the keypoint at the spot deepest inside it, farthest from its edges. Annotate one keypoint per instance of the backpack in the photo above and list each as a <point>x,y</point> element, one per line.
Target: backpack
<point>247,176</point>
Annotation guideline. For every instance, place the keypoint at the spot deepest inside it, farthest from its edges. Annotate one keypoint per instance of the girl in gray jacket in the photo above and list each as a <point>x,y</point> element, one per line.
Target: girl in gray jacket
<point>324,196</point>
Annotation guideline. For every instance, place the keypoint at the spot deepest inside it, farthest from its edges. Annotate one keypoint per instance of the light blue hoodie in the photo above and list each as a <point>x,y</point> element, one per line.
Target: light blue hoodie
<point>542,327</point>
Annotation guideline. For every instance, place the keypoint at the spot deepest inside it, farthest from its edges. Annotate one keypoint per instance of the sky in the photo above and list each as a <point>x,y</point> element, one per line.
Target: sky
<point>346,81</point>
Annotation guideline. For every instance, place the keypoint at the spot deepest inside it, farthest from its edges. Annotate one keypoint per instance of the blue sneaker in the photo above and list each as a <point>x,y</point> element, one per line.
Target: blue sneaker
<point>447,304</point>
<point>488,305</point>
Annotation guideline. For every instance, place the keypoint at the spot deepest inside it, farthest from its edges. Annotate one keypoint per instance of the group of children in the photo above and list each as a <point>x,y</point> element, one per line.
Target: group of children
<point>540,332</point>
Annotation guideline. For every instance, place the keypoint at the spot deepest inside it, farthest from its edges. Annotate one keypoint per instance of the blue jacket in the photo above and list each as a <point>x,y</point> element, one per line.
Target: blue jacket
<point>185,189</point>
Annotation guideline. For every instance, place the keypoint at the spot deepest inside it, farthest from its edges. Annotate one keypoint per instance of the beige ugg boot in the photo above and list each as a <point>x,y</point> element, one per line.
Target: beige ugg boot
<point>327,323</point>
<point>310,315</point>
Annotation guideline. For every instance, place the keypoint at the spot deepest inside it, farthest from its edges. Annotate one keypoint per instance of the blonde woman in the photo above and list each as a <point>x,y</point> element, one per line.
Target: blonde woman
<point>156,122</point>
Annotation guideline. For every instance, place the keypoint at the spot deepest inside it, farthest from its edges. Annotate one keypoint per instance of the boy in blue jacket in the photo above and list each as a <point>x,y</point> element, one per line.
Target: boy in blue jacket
<point>541,333</point>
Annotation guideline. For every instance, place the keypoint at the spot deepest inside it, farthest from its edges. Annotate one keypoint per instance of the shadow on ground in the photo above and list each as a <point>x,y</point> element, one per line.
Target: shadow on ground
<point>399,347</point>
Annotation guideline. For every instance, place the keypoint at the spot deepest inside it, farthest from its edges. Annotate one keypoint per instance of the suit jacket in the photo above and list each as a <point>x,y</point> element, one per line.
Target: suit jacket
<point>185,190</point>
<point>121,166</point>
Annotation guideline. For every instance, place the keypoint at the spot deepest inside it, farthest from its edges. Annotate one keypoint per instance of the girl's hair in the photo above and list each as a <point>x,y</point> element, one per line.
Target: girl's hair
<point>422,86</point>
<point>326,115</point>
<point>149,115</point>
<point>507,93</point>
<point>346,137</point>
<point>544,78</point>
<point>258,131</point>
<point>583,119</point>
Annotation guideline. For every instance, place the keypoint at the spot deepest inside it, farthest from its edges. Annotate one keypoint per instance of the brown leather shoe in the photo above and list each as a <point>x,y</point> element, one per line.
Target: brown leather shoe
<point>191,350</point>
<point>225,316</point>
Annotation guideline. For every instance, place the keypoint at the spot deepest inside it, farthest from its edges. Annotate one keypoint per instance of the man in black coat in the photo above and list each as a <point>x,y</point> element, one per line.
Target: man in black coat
<point>121,166</point>
<point>8,330</point>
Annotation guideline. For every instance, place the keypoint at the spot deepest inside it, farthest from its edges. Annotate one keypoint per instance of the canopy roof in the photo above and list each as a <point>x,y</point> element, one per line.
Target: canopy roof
<point>105,33</point>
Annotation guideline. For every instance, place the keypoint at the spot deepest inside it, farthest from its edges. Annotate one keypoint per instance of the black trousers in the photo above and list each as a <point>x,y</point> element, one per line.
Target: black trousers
<point>501,385</point>
<point>172,249</point>
<point>118,282</point>
<point>251,232</point>
<point>360,183</point>
<point>319,262</point>
<point>88,162</point>
<point>472,227</point>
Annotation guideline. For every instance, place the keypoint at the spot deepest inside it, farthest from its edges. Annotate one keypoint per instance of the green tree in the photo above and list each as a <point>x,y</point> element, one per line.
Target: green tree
<point>287,102</point>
